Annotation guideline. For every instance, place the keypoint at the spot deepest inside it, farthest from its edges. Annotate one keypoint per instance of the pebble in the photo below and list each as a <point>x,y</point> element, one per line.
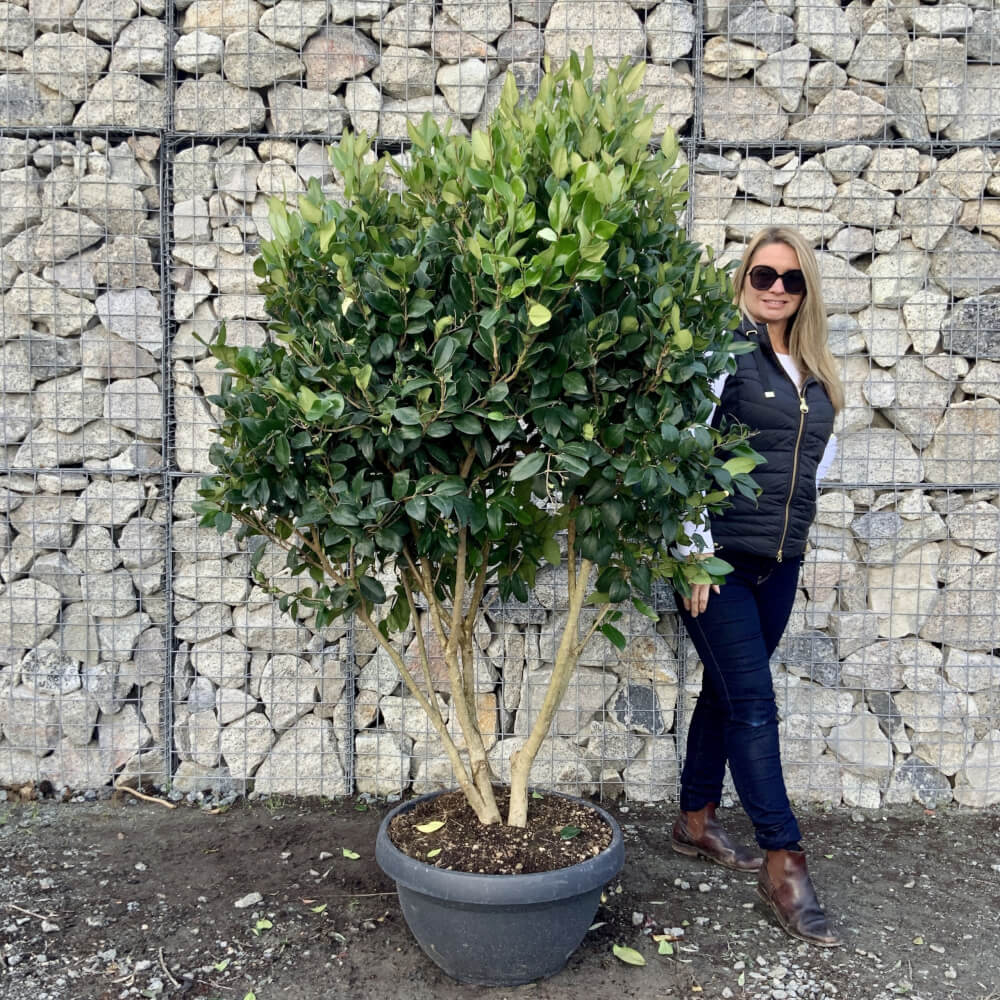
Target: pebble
<point>250,899</point>
<point>704,887</point>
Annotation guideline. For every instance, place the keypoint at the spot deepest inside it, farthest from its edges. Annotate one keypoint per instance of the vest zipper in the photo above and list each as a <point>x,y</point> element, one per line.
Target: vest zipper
<point>803,410</point>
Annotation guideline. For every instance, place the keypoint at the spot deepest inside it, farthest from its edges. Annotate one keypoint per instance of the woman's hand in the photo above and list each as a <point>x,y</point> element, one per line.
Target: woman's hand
<point>698,601</point>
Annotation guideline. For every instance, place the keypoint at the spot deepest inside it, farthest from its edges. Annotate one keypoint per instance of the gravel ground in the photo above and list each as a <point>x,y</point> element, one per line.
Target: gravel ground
<point>119,898</point>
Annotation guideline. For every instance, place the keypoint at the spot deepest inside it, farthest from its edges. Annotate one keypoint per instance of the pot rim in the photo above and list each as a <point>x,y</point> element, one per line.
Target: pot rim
<point>521,889</point>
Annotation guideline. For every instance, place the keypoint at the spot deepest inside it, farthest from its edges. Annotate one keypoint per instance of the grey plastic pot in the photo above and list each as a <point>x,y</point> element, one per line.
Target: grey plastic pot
<point>498,930</point>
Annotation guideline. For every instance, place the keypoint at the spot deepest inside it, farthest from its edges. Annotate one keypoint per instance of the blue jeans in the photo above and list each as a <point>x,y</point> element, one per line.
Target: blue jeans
<point>736,718</point>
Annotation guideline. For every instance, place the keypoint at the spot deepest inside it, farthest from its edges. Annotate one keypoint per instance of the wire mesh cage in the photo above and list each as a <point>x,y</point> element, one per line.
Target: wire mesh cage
<point>140,143</point>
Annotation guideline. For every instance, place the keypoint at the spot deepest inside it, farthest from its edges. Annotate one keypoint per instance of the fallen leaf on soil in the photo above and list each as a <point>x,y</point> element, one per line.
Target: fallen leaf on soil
<point>350,855</point>
<point>221,966</point>
<point>320,908</point>
<point>569,832</point>
<point>918,940</point>
<point>434,852</point>
<point>628,955</point>
<point>666,948</point>
<point>432,827</point>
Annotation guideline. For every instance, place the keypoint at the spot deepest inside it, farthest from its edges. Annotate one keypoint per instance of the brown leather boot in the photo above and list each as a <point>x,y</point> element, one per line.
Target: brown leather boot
<point>698,835</point>
<point>784,884</point>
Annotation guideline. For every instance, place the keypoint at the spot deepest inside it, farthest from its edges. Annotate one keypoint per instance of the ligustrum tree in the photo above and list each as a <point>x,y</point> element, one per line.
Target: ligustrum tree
<point>494,344</point>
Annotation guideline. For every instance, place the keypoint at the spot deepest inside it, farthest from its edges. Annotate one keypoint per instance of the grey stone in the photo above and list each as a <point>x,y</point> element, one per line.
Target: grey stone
<point>141,542</point>
<point>664,88</point>
<point>252,60</point>
<point>408,24</point>
<point>288,687</point>
<point>910,116</point>
<point>17,30</point>
<point>20,192</point>
<point>860,203</point>
<point>966,445</point>
<point>109,595</point>
<point>297,109</point>
<point>929,210</point>
<point>125,262</point>
<point>637,708</point>
<point>292,22</point>
<point>823,79</point>
<point>826,29</point>
<point>211,104</point>
<point>729,60</point>
<point>78,713</point>
<point>67,63</point>
<point>46,305</point>
<point>965,264</point>
<point>25,103</point>
<point>522,42</point>
<point>222,17</point>
<point>487,19</point>
<point>464,86</point>
<point>981,41</point>
<point>141,48</point>
<point>559,764</point>
<point>134,315</point>
<point>304,761</point>
<point>763,28</point>
<point>29,722</point>
<point>104,19</point>
<point>336,55</point>
<point>105,356</point>
<point>611,28</point>
<point>405,73</point>
<point>734,109</point>
<point>245,742</point>
<point>899,274</point>
<point>784,74</point>
<point>382,762</point>
<point>222,659</point>
<point>652,776</point>
<point>586,696</point>
<point>670,31</point>
<point>845,288</point>
<point>29,610</point>
<point>49,672</point>
<point>120,736</point>
<point>972,328</point>
<point>811,655</point>
<point>198,52</point>
<point>843,115</point>
<point>878,56</point>
<point>135,405</point>
<point>926,59</point>
<point>122,100</point>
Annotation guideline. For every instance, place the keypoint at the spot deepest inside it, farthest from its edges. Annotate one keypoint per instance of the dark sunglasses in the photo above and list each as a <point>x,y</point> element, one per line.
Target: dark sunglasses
<point>763,277</point>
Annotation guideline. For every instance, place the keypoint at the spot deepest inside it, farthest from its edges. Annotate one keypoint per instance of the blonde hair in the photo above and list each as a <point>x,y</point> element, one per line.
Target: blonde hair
<point>808,332</point>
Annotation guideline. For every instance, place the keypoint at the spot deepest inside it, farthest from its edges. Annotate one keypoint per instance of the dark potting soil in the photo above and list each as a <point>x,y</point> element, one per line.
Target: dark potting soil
<point>561,832</point>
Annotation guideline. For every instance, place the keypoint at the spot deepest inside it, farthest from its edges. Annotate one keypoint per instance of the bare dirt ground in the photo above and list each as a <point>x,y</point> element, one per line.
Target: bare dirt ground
<point>119,899</point>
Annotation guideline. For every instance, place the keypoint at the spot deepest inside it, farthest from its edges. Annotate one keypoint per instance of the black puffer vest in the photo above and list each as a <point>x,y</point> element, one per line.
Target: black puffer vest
<point>791,431</point>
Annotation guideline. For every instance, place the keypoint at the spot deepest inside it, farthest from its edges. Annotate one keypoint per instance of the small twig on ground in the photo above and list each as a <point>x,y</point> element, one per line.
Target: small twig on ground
<point>163,965</point>
<point>145,798</point>
<point>30,913</point>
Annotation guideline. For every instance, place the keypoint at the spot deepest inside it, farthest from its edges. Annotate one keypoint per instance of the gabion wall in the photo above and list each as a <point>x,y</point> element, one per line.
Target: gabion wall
<point>139,143</point>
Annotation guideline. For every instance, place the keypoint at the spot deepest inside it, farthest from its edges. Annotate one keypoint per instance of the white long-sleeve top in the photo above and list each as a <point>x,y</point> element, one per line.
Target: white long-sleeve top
<point>702,531</point>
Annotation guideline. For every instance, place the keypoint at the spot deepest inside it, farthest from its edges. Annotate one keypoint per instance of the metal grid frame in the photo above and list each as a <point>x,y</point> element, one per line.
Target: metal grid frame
<point>695,143</point>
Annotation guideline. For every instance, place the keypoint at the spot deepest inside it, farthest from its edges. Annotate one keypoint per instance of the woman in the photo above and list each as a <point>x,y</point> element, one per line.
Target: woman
<point>787,392</point>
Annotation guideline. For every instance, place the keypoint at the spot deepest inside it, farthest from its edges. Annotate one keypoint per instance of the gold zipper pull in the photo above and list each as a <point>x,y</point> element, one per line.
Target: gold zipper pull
<point>779,555</point>
<point>803,405</point>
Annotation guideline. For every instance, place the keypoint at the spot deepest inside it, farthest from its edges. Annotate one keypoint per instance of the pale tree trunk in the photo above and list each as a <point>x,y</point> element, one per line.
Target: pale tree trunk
<point>566,658</point>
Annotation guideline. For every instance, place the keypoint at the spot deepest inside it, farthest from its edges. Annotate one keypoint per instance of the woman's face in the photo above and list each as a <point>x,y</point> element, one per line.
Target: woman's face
<point>774,305</point>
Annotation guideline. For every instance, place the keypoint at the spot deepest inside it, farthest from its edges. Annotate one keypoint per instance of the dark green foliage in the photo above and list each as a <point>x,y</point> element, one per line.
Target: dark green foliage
<point>521,339</point>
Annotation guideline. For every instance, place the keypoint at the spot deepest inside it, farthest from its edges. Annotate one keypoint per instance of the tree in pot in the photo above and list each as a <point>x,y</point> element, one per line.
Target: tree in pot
<point>489,355</point>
